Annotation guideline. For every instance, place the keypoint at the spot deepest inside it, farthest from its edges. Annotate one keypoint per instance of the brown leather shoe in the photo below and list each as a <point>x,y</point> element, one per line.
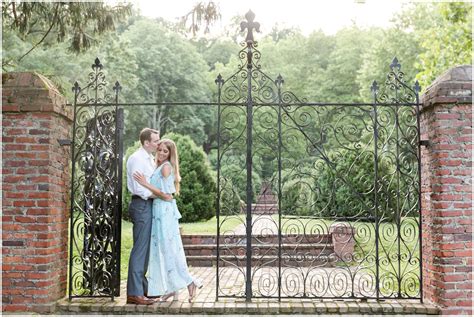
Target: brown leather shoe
<point>139,300</point>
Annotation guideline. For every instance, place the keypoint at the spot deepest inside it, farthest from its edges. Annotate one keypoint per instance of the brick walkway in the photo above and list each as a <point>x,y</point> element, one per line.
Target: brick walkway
<point>206,303</point>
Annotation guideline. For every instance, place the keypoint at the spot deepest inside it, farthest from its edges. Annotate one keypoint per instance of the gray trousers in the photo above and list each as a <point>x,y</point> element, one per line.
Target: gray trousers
<point>141,214</point>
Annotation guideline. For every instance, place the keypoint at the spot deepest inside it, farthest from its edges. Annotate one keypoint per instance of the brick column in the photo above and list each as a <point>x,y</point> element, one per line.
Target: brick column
<point>35,193</point>
<point>446,122</point>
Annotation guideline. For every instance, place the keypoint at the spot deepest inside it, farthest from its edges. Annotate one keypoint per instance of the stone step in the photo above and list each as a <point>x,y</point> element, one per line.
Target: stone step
<point>264,206</point>
<point>267,200</point>
<point>264,212</point>
<point>242,238</point>
<point>262,260</point>
<point>290,249</point>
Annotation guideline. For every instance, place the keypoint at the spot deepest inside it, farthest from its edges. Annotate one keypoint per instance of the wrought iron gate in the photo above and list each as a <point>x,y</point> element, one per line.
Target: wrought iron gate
<point>314,225</point>
<point>327,194</point>
<point>96,189</point>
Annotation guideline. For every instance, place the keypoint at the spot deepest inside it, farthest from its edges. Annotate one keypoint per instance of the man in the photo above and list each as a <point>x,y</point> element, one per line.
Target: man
<point>140,211</point>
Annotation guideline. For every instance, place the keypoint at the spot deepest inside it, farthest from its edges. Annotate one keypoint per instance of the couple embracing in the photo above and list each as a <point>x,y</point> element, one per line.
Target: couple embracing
<point>157,246</point>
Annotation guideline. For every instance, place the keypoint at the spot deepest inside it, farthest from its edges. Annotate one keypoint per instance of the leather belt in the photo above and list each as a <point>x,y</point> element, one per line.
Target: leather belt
<point>138,197</point>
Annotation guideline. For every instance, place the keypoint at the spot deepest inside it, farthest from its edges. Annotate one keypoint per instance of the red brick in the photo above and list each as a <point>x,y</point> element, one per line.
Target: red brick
<point>24,203</point>
<point>25,219</point>
<point>41,195</point>
<point>14,308</point>
<point>462,205</point>
<point>465,253</point>
<point>451,180</point>
<point>452,246</point>
<point>26,140</point>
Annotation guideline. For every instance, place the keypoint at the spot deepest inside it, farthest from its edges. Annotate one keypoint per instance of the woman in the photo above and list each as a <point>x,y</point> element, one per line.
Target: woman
<point>167,268</point>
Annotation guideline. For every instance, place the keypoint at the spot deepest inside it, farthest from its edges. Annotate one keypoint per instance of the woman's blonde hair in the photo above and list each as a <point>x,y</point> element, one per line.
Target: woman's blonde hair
<point>174,160</point>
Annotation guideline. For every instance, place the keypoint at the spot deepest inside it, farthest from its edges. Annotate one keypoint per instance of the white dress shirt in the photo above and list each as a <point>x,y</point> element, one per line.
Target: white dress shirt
<point>142,162</point>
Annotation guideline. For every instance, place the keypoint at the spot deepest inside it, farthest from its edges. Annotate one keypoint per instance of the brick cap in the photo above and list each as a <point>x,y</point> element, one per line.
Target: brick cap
<point>27,79</point>
<point>32,92</point>
<point>454,86</point>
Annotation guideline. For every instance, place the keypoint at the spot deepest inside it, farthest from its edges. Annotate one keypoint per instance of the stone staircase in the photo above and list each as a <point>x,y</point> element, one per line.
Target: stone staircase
<point>322,250</point>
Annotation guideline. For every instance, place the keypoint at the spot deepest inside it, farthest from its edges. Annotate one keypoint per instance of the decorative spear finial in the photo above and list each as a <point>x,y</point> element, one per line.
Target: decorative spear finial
<point>417,87</point>
<point>249,25</point>
<point>117,87</point>
<point>374,88</point>
<point>219,81</point>
<point>76,88</point>
<point>279,81</point>
<point>395,63</point>
<point>97,64</point>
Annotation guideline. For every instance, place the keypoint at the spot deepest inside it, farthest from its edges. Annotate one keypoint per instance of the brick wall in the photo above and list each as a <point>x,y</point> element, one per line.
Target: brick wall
<point>35,190</point>
<point>446,121</point>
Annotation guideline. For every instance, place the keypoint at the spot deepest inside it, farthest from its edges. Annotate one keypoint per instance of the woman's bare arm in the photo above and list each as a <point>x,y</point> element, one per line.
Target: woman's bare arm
<point>141,179</point>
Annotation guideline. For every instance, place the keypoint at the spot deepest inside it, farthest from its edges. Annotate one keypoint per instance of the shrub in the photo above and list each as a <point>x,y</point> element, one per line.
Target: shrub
<point>346,187</point>
<point>197,199</point>
<point>343,188</point>
<point>236,178</point>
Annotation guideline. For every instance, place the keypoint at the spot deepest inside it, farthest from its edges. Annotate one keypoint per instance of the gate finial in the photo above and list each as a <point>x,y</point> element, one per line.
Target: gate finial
<point>249,25</point>
<point>97,64</point>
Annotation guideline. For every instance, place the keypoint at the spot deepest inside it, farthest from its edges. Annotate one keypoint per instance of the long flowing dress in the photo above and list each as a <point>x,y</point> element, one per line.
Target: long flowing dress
<point>167,269</point>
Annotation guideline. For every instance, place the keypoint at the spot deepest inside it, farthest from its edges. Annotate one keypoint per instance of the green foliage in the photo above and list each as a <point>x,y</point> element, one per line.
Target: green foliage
<point>216,51</point>
<point>169,69</point>
<point>75,22</point>
<point>197,200</point>
<point>443,30</point>
<point>341,187</point>
<point>448,43</point>
<point>390,43</point>
<point>236,181</point>
<point>297,194</point>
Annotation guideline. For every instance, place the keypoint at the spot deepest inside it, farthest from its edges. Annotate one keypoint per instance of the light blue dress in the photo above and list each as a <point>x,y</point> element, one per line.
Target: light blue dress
<point>167,268</point>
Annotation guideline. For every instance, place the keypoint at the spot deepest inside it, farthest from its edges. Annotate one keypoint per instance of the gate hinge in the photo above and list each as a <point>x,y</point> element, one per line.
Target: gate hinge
<point>424,142</point>
<point>63,142</point>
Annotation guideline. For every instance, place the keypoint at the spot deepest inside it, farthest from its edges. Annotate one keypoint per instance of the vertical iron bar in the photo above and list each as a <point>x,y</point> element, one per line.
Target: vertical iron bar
<point>398,215</point>
<point>248,284</point>
<point>94,166</point>
<point>377,277</point>
<point>218,185</point>
<point>279,190</point>
<point>119,124</point>
<point>420,236</point>
<point>71,202</point>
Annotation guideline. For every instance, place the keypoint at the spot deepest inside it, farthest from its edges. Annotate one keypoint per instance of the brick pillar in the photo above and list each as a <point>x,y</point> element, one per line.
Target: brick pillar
<point>446,122</point>
<point>35,193</point>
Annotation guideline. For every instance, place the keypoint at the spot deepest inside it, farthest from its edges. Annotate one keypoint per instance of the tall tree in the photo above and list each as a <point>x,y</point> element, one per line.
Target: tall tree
<point>169,70</point>
<point>389,43</point>
<point>443,32</point>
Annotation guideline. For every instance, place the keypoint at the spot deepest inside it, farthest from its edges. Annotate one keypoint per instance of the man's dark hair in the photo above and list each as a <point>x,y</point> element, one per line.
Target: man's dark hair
<point>145,134</point>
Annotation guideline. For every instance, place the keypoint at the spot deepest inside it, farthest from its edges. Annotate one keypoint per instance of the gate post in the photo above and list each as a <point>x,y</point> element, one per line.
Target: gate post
<point>446,123</point>
<point>35,190</point>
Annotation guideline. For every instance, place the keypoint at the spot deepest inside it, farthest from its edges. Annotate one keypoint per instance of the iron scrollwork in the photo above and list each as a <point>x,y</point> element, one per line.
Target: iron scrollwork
<point>96,189</point>
<point>332,232</point>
